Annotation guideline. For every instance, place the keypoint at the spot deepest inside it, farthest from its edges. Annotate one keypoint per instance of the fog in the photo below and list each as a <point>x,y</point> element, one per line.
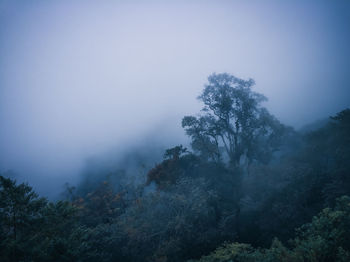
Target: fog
<point>80,79</point>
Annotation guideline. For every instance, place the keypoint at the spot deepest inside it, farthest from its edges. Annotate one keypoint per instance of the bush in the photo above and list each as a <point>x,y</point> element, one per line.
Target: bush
<point>326,238</point>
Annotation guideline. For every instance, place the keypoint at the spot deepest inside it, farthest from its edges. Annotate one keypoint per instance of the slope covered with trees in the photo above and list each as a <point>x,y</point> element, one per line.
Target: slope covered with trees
<point>238,194</point>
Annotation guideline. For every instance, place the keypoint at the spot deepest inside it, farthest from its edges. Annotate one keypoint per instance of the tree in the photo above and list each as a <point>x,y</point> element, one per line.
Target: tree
<point>100,206</point>
<point>234,124</point>
<point>20,216</point>
<point>326,238</point>
<point>33,229</point>
<point>177,163</point>
<point>170,226</point>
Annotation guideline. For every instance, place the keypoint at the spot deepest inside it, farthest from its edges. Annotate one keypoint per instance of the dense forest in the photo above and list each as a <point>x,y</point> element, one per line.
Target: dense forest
<point>248,188</point>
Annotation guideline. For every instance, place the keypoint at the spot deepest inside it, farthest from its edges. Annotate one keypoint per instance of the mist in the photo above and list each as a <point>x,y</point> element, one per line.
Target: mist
<point>82,79</point>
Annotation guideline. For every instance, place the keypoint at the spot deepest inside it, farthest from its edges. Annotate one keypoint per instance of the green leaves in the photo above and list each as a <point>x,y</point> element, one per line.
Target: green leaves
<point>326,238</point>
<point>32,229</point>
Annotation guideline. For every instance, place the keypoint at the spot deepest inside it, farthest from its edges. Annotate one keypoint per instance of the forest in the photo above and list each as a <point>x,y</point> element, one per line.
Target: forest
<point>248,188</point>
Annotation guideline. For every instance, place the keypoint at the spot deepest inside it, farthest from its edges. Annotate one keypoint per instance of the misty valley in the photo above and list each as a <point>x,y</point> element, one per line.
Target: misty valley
<point>246,188</point>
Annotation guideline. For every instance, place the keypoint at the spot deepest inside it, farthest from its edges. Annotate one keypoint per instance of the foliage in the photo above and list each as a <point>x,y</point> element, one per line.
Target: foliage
<point>101,205</point>
<point>177,163</point>
<point>162,224</point>
<point>234,120</point>
<point>315,174</point>
<point>249,179</point>
<point>326,238</point>
<point>32,229</point>
<point>20,216</point>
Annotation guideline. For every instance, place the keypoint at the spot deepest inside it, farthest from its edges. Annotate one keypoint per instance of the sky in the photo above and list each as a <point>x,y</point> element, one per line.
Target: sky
<point>81,78</point>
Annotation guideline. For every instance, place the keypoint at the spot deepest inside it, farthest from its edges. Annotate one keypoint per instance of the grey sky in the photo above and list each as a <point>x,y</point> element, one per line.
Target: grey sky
<point>80,77</point>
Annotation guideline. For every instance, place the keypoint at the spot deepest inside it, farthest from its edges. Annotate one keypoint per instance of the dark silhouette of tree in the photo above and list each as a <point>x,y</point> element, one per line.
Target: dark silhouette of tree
<point>20,214</point>
<point>233,123</point>
<point>33,229</point>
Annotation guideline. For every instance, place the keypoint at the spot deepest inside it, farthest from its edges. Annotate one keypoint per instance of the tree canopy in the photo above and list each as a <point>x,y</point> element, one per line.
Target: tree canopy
<point>233,123</point>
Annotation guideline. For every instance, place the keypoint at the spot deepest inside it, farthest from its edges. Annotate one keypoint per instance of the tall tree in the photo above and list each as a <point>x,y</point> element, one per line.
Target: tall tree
<point>233,123</point>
